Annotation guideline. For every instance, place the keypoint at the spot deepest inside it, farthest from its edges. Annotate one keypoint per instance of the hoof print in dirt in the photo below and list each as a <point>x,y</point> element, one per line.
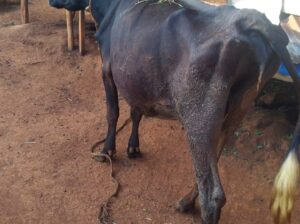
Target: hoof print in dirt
<point>133,152</point>
<point>184,205</point>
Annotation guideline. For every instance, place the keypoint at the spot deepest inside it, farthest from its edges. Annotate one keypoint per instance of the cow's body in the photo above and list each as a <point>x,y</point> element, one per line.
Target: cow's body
<point>200,64</point>
<point>183,58</point>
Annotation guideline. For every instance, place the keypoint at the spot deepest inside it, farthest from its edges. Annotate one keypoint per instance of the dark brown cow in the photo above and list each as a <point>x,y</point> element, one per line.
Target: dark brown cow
<point>201,64</point>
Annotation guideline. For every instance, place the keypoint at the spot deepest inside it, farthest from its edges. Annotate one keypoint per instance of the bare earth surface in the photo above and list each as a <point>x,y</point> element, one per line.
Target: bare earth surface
<point>52,110</point>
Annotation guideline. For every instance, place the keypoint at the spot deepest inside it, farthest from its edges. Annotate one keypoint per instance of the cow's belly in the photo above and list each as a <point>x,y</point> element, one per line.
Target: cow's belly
<point>145,92</point>
<point>160,107</point>
<point>160,110</point>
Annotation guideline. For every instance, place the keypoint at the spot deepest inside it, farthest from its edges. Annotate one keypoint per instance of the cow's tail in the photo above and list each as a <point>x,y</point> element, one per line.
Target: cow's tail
<point>285,184</point>
<point>284,188</point>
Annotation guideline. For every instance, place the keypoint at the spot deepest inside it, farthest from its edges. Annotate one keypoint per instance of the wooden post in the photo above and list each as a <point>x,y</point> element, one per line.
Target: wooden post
<point>70,30</point>
<point>81,32</point>
<point>24,11</point>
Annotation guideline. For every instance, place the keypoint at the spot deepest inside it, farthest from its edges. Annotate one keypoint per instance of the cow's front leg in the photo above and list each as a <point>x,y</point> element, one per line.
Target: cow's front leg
<point>112,116</point>
<point>133,149</point>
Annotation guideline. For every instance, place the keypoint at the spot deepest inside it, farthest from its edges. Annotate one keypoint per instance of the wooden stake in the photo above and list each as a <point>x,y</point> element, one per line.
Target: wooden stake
<point>81,32</point>
<point>24,12</point>
<point>70,30</point>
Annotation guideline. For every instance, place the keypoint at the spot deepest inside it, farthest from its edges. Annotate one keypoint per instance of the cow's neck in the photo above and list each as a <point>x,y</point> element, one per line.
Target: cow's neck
<point>100,8</point>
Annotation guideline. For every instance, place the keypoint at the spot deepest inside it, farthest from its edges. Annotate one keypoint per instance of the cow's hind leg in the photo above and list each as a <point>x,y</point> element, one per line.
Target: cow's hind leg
<point>112,116</point>
<point>202,136</point>
<point>211,194</point>
<point>233,119</point>
<point>187,203</point>
<point>203,118</point>
<point>133,149</point>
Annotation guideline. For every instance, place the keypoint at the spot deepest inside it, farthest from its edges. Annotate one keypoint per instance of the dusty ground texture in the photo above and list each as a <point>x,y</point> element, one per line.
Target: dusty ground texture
<point>52,110</point>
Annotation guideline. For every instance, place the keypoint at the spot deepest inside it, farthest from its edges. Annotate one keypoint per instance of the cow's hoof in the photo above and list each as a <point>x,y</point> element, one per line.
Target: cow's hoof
<point>133,152</point>
<point>184,205</point>
<point>105,155</point>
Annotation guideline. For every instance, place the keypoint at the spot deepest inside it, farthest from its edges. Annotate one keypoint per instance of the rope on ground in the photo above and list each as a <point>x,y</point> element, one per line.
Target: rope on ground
<point>104,216</point>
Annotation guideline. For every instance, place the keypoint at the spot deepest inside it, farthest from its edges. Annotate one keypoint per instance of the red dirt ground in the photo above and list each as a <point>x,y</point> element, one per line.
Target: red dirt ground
<point>53,110</point>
